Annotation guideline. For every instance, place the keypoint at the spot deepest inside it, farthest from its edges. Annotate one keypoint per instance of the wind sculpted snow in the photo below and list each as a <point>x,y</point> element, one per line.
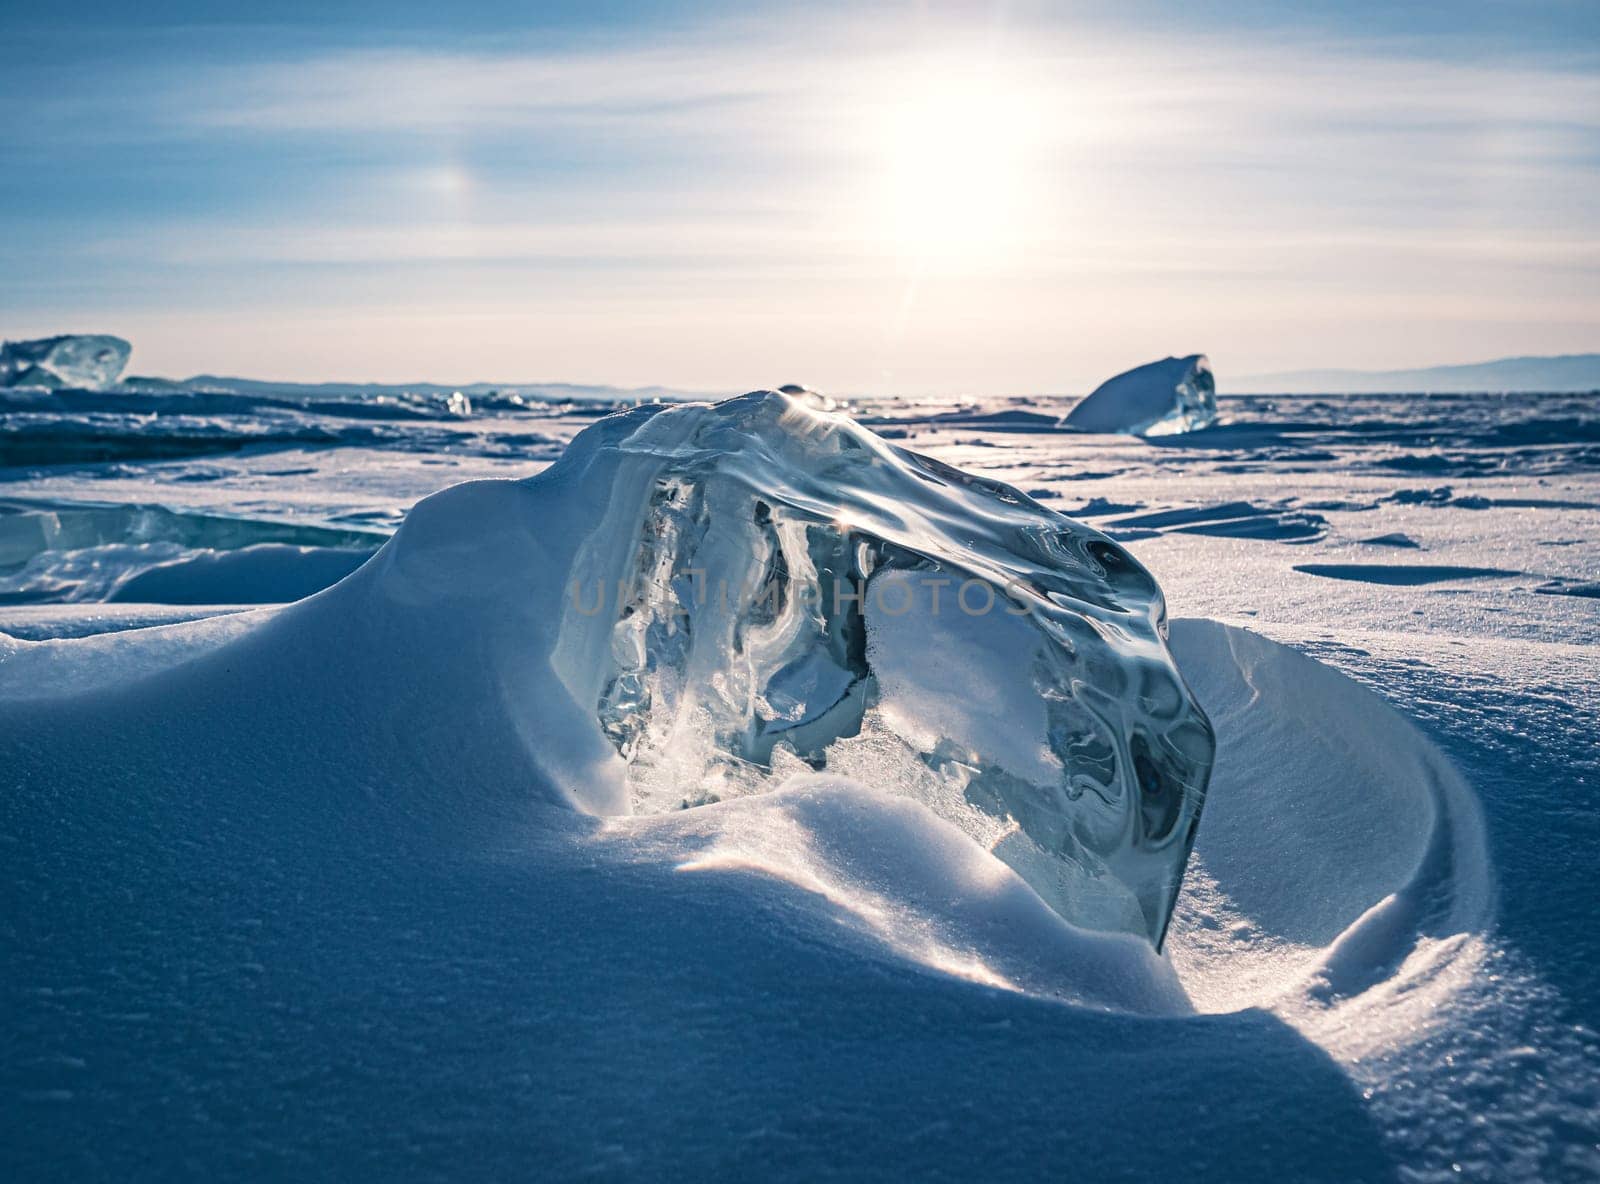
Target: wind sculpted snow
<point>353,885</point>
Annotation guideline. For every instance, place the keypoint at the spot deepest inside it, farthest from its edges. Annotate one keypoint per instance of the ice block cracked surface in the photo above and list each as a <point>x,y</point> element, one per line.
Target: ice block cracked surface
<point>776,589</point>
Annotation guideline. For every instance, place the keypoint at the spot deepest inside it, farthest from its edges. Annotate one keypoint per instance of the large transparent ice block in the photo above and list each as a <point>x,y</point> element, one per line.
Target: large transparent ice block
<point>1157,399</point>
<point>87,361</point>
<point>776,589</point>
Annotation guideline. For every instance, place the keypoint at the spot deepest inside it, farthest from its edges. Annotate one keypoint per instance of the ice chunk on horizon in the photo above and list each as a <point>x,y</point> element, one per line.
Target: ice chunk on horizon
<point>776,589</point>
<point>813,399</point>
<point>85,361</point>
<point>1157,399</point>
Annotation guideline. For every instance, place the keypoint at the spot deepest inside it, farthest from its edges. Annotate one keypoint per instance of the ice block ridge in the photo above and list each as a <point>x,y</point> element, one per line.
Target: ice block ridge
<point>780,590</point>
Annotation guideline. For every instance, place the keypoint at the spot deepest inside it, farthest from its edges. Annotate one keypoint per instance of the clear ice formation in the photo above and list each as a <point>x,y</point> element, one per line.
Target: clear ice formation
<point>774,589</point>
<point>813,399</point>
<point>84,362</point>
<point>1157,399</point>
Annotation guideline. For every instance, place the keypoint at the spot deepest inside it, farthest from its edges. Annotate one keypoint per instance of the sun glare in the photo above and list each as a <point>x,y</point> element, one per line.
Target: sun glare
<point>957,157</point>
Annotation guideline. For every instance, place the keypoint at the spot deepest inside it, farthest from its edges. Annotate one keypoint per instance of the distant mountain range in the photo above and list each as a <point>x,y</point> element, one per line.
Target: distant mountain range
<point>1570,372</point>
<point>541,390</point>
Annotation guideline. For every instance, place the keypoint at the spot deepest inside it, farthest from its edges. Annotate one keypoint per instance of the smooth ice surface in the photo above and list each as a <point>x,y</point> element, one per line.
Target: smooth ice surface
<point>776,589</point>
<point>1157,399</point>
<point>88,361</point>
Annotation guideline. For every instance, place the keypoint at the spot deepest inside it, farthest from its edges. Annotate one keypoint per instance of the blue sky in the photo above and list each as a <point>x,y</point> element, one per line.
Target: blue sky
<point>919,197</point>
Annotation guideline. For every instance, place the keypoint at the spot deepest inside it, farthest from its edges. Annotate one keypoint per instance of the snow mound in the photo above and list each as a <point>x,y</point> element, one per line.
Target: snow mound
<point>1157,399</point>
<point>263,573</point>
<point>1343,860</point>
<point>356,882</point>
<point>413,708</point>
<point>88,361</point>
<point>429,688</point>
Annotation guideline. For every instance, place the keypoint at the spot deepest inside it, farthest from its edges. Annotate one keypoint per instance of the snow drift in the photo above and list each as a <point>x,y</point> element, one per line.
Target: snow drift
<point>354,885</point>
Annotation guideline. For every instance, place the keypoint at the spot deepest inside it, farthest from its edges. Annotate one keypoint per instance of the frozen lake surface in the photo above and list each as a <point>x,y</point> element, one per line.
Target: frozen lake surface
<point>279,899</point>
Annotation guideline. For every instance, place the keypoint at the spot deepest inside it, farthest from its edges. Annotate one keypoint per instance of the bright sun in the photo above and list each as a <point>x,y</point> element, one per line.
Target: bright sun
<point>958,154</point>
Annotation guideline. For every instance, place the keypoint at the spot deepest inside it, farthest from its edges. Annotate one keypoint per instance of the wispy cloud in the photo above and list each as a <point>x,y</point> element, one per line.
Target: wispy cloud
<point>1210,180</point>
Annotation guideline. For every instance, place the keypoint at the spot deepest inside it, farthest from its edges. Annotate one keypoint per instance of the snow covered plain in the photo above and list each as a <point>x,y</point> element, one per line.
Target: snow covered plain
<point>302,891</point>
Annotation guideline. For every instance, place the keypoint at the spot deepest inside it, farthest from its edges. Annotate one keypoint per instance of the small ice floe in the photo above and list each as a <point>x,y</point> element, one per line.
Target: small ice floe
<point>458,405</point>
<point>1158,399</point>
<point>82,361</point>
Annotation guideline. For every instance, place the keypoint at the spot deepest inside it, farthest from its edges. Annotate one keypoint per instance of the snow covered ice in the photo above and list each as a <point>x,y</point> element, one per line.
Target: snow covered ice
<point>89,361</point>
<point>1157,399</point>
<point>776,588</point>
<point>365,881</point>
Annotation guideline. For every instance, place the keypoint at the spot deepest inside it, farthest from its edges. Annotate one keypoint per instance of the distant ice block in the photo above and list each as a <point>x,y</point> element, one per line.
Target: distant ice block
<point>774,589</point>
<point>1158,399</point>
<point>813,399</point>
<point>87,362</point>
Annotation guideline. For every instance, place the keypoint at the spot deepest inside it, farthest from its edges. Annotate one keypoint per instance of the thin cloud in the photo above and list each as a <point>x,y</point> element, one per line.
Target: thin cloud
<point>1218,184</point>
